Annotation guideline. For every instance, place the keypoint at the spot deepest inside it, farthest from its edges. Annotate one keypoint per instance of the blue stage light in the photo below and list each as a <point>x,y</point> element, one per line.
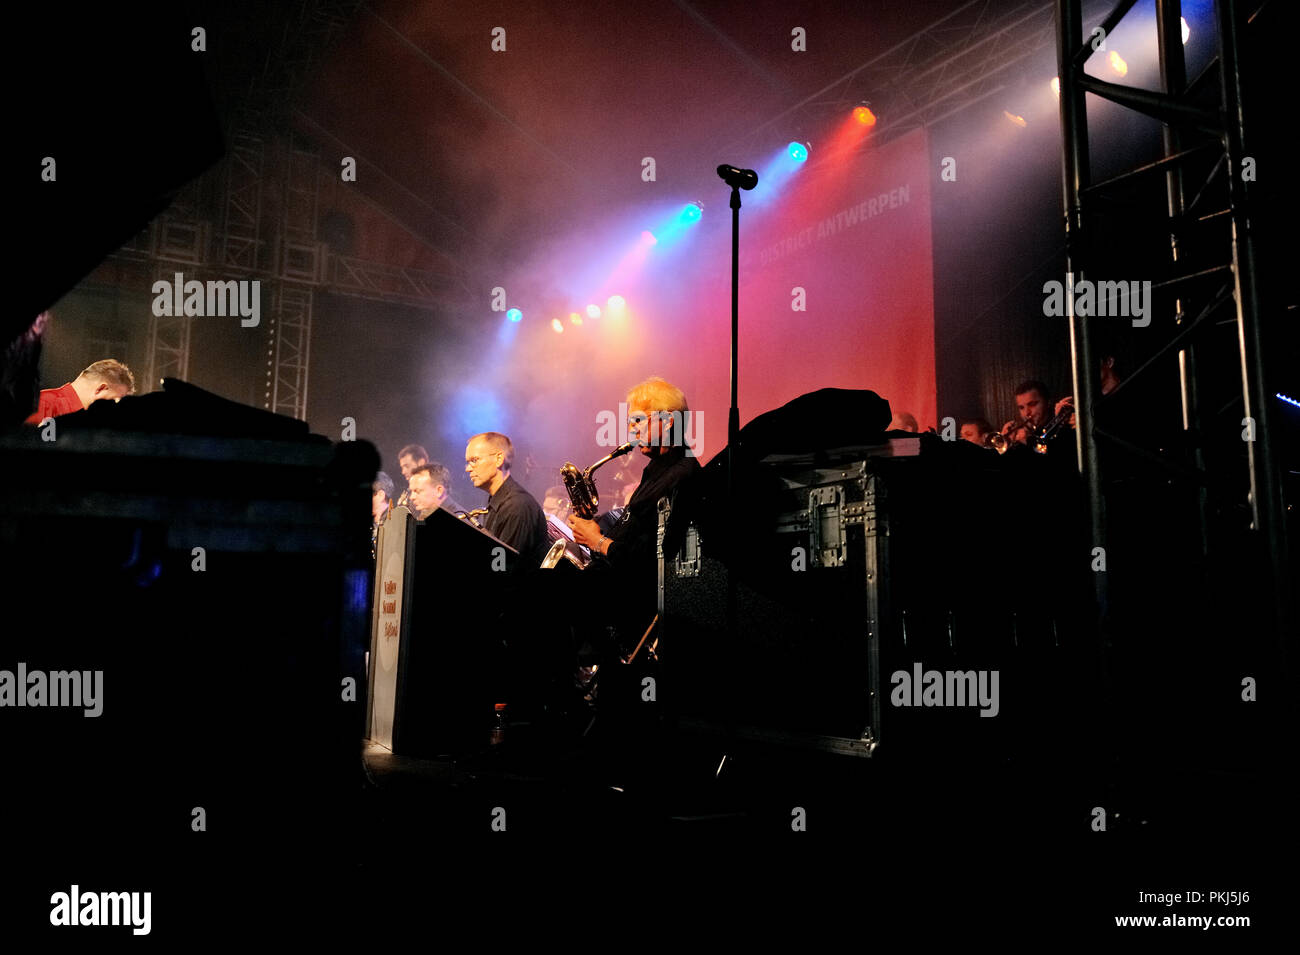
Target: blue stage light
<point>514,315</point>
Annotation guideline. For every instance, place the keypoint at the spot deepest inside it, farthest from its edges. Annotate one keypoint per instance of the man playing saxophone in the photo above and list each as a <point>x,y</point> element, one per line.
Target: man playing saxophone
<point>656,414</point>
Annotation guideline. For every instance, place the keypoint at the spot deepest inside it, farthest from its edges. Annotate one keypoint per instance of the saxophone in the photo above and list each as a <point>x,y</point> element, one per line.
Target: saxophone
<point>472,517</point>
<point>582,489</point>
<point>585,501</point>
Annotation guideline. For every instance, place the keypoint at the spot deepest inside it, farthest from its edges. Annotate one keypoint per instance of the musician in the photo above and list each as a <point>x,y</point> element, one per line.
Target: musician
<point>556,502</point>
<point>106,379</point>
<point>1035,412</point>
<point>656,409</point>
<point>408,459</point>
<point>904,421</point>
<point>975,430</point>
<point>1109,382</point>
<point>429,485</point>
<point>381,497</point>
<point>514,515</point>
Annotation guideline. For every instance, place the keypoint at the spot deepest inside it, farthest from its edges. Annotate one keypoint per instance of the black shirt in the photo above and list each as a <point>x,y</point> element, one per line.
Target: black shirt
<point>515,517</point>
<point>635,536</point>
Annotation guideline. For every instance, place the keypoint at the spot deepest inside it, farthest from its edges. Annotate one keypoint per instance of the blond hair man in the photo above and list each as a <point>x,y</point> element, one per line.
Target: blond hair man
<point>106,379</point>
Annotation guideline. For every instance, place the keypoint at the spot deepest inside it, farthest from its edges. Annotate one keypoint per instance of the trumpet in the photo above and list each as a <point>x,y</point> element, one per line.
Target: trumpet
<point>1052,429</point>
<point>1000,441</point>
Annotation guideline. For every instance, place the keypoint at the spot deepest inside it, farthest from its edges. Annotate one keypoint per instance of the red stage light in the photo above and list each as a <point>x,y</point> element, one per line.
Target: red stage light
<point>864,116</point>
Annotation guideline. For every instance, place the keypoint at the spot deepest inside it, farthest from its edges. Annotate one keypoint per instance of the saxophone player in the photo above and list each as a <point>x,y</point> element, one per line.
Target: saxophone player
<point>514,516</point>
<point>656,412</point>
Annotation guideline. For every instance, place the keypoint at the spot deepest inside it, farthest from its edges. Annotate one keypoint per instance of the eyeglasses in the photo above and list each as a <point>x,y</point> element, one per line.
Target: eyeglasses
<point>473,462</point>
<point>639,419</point>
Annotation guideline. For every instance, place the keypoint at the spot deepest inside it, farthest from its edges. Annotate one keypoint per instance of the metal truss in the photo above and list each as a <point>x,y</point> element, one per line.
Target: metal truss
<point>1208,259</point>
<point>288,349</point>
<point>169,340</point>
<point>390,283</point>
<point>266,226</point>
<point>241,239</point>
<point>976,51</point>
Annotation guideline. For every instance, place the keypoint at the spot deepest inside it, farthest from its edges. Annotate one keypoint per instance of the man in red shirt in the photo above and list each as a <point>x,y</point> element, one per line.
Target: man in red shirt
<point>104,379</point>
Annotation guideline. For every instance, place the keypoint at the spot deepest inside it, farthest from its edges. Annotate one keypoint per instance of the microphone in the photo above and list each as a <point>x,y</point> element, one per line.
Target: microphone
<point>744,178</point>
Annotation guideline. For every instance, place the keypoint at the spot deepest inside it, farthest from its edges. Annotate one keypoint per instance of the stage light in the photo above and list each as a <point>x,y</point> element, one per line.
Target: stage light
<point>1287,398</point>
<point>1056,85</point>
<point>557,325</point>
<point>616,303</point>
<point>1187,31</point>
<point>514,315</point>
<point>575,318</point>
<point>593,311</point>
<point>1018,120</point>
<point>692,212</point>
<point>798,151</point>
<point>1117,63</point>
<point>864,116</point>
<point>648,237</point>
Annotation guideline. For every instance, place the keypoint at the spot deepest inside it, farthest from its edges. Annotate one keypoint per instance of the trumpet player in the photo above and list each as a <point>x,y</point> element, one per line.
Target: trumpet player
<point>975,430</point>
<point>408,459</point>
<point>1035,411</point>
<point>429,490</point>
<point>1109,382</point>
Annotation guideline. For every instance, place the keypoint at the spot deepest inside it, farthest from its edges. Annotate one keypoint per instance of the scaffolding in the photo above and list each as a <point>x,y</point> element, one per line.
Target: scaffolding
<point>1210,279</point>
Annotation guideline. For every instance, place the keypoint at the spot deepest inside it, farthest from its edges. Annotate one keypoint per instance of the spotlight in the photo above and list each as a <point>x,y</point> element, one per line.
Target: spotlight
<point>1056,85</point>
<point>1287,398</point>
<point>1018,120</point>
<point>798,151</point>
<point>616,303</point>
<point>514,315</point>
<point>557,325</point>
<point>1187,31</point>
<point>692,212</point>
<point>864,115</point>
<point>593,311</point>
<point>575,318</point>
<point>1117,63</point>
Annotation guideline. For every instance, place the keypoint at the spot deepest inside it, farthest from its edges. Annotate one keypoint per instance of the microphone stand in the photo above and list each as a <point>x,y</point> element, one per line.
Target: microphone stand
<point>733,414</point>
